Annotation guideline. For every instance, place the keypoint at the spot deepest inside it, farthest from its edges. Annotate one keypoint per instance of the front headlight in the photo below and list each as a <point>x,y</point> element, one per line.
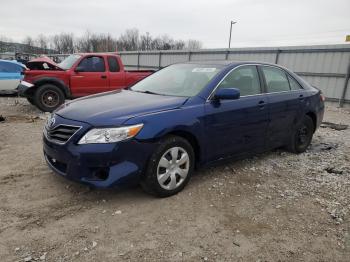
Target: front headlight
<point>110,135</point>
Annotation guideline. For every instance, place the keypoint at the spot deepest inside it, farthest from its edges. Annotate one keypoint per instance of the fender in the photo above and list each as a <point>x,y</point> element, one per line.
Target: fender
<point>53,80</point>
<point>26,91</point>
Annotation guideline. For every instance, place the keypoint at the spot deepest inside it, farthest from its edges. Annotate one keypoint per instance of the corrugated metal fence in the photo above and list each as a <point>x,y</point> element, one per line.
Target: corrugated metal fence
<point>326,67</point>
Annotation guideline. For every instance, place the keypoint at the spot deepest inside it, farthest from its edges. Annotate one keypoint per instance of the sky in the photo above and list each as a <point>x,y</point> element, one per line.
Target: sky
<point>259,22</point>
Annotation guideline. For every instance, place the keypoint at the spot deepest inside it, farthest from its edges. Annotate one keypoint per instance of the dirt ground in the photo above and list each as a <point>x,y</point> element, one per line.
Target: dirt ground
<point>272,207</point>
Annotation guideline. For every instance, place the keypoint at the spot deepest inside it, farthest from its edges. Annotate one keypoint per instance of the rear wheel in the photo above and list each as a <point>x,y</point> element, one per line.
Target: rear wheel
<point>302,136</point>
<point>170,167</point>
<point>48,97</point>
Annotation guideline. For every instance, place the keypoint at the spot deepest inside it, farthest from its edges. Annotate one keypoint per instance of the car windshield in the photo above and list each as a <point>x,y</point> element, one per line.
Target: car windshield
<point>178,80</point>
<point>69,62</point>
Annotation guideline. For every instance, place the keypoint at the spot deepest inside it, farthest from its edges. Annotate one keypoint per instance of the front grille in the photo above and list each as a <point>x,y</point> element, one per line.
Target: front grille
<point>61,134</point>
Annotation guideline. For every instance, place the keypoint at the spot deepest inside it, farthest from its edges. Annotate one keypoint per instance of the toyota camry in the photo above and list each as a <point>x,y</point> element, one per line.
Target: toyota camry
<point>156,132</point>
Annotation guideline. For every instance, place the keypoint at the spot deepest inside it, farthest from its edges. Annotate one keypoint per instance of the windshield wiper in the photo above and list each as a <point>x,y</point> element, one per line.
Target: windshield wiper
<point>146,92</point>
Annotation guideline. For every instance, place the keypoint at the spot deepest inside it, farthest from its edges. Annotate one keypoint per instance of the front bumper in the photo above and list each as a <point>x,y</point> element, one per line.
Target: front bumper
<point>98,165</point>
<point>23,88</point>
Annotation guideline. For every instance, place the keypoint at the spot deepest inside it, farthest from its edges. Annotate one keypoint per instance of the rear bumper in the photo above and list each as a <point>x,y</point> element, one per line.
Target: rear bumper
<point>320,114</point>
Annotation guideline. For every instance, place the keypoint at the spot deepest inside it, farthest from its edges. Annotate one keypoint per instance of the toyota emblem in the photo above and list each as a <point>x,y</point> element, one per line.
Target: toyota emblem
<point>52,121</point>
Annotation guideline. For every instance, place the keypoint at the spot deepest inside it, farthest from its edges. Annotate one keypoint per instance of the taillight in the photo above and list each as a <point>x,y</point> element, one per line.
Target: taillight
<point>322,97</point>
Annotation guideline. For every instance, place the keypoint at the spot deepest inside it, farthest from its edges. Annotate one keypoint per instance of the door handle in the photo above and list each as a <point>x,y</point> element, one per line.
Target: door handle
<point>104,77</point>
<point>301,97</point>
<point>261,104</point>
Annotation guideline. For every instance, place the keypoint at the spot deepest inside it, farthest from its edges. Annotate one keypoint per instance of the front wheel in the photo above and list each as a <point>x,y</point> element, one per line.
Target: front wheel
<point>48,97</point>
<point>302,136</point>
<point>170,167</point>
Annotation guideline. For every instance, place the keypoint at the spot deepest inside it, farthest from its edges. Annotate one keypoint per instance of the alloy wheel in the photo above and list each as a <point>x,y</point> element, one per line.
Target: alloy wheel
<point>173,168</point>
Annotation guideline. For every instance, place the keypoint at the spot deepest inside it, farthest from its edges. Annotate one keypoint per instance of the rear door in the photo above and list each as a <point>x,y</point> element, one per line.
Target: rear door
<point>235,127</point>
<point>92,77</point>
<point>284,105</point>
<point>116,76</point>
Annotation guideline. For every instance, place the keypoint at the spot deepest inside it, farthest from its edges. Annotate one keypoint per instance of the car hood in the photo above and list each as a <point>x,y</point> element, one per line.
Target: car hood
<point>114,108</point>
<point>43,60</point>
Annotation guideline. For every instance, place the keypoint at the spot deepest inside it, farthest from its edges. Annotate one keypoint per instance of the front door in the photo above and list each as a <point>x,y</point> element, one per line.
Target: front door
<point>235,127</point>
<point>89,77</point>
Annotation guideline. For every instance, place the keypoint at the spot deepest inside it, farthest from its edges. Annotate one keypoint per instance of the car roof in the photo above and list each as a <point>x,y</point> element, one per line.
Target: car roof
<point>229,62</point>
<point>12,62</point>
<point>95,54</point>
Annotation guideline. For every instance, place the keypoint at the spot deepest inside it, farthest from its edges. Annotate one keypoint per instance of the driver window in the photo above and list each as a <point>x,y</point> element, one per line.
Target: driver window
<point>244,78</point>
<point>93,64</point>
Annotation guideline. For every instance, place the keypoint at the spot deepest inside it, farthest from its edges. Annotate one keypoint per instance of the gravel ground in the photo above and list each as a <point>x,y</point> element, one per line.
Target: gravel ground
<point>273,207</point>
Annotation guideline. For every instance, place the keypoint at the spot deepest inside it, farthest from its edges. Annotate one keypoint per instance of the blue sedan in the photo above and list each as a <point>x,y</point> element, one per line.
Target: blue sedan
<point>180,118</point>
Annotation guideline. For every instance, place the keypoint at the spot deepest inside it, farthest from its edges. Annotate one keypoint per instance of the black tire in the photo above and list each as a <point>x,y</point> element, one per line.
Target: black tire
<point>48,97</point>
<point>302,136</point>
<point>150,182</point>
<point>31,100</point>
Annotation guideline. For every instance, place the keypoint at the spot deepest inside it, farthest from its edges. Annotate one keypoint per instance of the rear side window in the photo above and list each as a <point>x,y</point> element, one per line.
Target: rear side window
<point>245,78</point>
<point>276,79</point>
<point>113,64</point>
<point>3,68</point>
<point>93,64</point>
<point>10,68</point>
<point>294,85</point>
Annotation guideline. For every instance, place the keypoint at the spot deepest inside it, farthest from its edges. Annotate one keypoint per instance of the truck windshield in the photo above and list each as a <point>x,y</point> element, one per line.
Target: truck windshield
<point>178,80</point>
<point>69,62</point>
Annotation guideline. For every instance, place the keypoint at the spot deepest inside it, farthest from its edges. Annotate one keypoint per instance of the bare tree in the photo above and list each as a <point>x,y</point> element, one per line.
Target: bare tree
<point>67,43</point>
<point>83,43</point>
<point>108,43</point>
<point>193,44</point>
<point>41,41</point>
<point>145,41</point>
<point>29,43</point>
<point>56,43</point>
<point>63,43</point>
<point>179,45</point>
<point>4,43</point>
<point>129,40</point>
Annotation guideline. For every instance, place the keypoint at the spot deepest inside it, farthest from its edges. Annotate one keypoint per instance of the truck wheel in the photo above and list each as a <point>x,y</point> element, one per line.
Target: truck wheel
<point>170,167</point>
<point>48,97</point>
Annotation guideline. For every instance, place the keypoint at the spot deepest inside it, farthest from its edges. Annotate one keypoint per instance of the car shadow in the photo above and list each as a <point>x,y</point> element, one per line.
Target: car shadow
<point>221,169</point>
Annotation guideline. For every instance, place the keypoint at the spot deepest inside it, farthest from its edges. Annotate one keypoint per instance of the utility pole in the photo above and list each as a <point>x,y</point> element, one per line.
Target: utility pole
<point>229,42</point>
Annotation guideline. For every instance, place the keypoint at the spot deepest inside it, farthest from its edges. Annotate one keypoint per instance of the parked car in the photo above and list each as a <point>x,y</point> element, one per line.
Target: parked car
<point>76,76</point>
<point>11,73</point>
<point>181,117</point>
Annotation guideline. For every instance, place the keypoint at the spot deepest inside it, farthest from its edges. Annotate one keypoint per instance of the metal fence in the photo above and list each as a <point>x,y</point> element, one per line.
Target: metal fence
<point>326,67</point>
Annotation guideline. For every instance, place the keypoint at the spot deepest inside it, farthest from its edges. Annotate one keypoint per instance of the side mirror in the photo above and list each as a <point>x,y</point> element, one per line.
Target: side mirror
<point>227,94</point>
<point>79,69</point>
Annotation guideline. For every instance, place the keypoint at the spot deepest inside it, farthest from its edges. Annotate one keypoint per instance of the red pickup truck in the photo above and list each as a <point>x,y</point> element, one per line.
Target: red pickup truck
<point>47,84</point>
